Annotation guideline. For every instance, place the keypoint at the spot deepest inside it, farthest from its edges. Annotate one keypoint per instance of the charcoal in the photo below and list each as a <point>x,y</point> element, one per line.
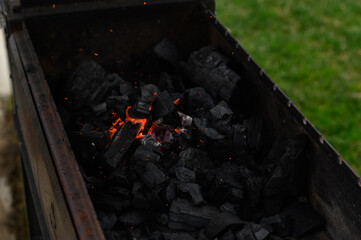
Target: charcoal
<point>160,217</point>
<point>153,176</point>
<point>277,150</point>
<point>184,140</point>
<point>201,125</point>
<point>185,175</point>
<point>119,191</point>
<point>194,159</point>
<point>88,136</point>
<point>111,234</point>
<point>169,159</point>
<point>260,232</point>
<point>229,207</point>
<point>280,224</point>
<point>246,233</point>
<point>120,144</point>
<point>137,233</point>
<point>228,236</point>
<point>107,220</point>
<point>239,137</point>
<point>83,83</point>
<point>171,191</point>
<point>99,108</point>
<point>126,89</point>
<point>207,68</point>
<point>148,93</point>
<point>110,202</point>
<point>163,108</point>
<point>194,191</point>
<point>118,104</point>
<point>221,110</point>
<point>304,219</point>
<point>167,51</point>
<point>144,154</point>
<point>170,236</point>
<point>184,216</point>
<point>165,82</point>
<point>133,218</point>
<point>198,101</point>
<point>149,142</point>
<point>273,205</point>
<point>221,223</point>
<point>185,120</point>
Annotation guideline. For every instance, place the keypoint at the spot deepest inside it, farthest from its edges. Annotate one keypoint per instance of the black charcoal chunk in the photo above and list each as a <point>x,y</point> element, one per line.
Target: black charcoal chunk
<point>246,233</point>
<point>111,234</point>
<point>144,154</point>
<point>170,236</point>
<point>253,131</point>
<point>221,110</point>
<point>107,219</point>
<point>260,232</point>
<point>186,120</point>
<point>99,108</point>
<point>184,140</point>
<point>153,176</point>
<point>201,125</point>
<point>133,218</point>
<point>207,68</point>
<point>185,175</point>
<point>229,207</point>
<point>163,109</point>
<point>221,223</point>
<point>171,191</point>
<point>197,100</point>
<point>194,191</point>
<point>281,225</point>
<point>109,202</point>
<point>165,82</point>
<point>84,82</point>
<point>167,51</point>
<point>195,160</point>
<point>228,236</point>
<point>148,93</point>
<point>119,191</point>
<point>184,216</point>
<point>149,142</point>
<point>120,144</point>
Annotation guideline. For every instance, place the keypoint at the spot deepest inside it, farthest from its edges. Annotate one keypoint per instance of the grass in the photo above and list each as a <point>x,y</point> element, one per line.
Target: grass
<point>312,50</point>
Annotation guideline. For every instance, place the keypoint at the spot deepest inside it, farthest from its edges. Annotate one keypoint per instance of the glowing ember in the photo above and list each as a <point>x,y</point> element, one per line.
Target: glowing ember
<point>176,102</point>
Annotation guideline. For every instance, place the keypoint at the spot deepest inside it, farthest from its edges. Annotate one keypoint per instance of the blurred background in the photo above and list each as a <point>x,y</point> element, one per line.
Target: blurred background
<point>311,49</point>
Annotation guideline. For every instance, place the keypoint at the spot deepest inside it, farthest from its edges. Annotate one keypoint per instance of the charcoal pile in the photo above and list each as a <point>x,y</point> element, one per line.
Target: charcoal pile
<point>166,154</point>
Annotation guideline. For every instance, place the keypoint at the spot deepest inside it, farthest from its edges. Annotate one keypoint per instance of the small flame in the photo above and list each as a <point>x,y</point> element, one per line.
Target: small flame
<point>176,102</point>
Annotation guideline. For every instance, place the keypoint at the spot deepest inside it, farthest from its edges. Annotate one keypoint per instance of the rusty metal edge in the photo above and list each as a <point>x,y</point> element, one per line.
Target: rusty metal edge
<point>283,98</point>
<point>78,200</point>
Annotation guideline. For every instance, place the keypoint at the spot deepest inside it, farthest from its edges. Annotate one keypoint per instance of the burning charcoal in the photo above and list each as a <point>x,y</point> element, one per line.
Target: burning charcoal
<point>99,108</point>
<point>206,67</point>
<point>194,191</point>
<point>281,225</point>
<point>210,133</point>
<point>107,220</point>
<point>184,216</point>
<point>185,120</point>
<point>221,223</point>
<point>120,144</point>
<point>229,207</point>
<point>228,236</point>
<point>153,176</point>
<point>144,154</point>
<point>197,100</point>
<point>83,83</point>
<point>304,218</point>
<point>167,51</point>
<point>185,175</point>
<point>133,218</point>
<point>163,108</point>
<point>148,93</point>
<point>149,142</point>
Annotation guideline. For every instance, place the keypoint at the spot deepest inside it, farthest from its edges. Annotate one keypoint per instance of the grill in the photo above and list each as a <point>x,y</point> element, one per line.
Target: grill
<point>47,42</point>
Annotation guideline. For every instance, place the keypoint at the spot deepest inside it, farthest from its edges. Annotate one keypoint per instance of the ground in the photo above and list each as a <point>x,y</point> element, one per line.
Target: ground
<point>312,50</point>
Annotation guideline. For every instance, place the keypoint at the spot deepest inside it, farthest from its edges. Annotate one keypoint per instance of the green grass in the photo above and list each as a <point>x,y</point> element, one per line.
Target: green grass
<point>312,50</point>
